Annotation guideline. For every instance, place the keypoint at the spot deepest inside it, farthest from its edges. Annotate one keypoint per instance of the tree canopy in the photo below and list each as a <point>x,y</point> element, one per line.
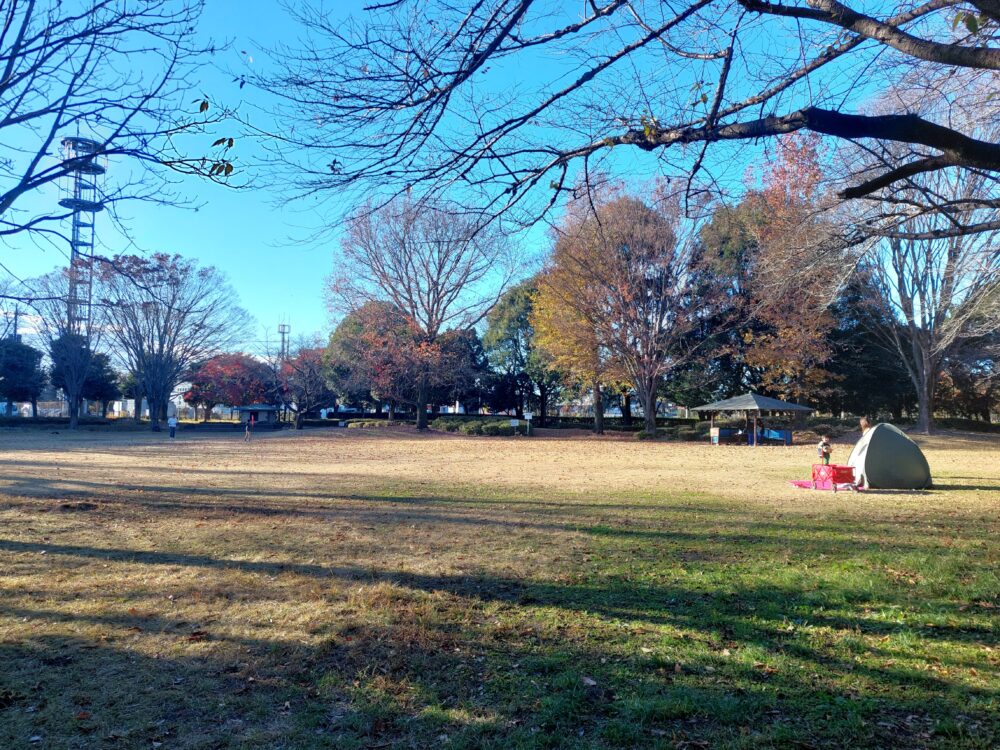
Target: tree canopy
<point>416,92</point>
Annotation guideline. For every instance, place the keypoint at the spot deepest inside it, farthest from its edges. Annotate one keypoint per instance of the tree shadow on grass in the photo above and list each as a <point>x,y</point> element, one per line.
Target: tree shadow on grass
<point>431,666</point>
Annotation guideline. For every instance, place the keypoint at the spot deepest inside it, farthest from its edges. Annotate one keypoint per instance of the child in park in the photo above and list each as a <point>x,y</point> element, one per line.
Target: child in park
<point>824,449</point>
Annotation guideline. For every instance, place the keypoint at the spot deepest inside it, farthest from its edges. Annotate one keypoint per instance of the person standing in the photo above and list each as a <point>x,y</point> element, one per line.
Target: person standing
<point>824,449</point>
<point>865,425</point>
<point>172,424</point>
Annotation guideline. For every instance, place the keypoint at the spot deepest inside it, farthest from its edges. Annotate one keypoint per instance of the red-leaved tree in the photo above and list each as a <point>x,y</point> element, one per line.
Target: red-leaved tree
<point>230,379</point>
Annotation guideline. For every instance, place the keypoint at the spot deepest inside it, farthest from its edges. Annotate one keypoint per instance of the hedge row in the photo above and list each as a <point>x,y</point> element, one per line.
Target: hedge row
<point>970,425</point>
<point>62,421</point>
<point>694,433</point>
<point>488,426</point>
<point>617,423</point>
<point>366,424</point>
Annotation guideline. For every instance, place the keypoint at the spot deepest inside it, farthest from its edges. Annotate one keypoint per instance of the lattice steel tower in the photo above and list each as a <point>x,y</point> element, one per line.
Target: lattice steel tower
<point>83,172</point>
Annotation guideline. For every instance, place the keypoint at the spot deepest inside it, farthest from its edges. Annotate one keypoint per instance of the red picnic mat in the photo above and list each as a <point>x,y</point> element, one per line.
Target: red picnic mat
<point>825,484</point>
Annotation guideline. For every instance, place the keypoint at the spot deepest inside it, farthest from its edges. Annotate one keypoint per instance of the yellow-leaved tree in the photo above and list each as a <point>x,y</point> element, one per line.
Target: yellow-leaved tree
<point>620,297</point>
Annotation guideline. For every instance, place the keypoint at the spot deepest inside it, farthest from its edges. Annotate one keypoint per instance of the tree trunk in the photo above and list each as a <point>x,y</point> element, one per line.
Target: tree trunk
<point>543,404</point>
<point>926,382</point>
<point>392,410</point>
<point>299,416</point>
<point>422,395</point>
<point>154,413</point>
<point>208,411</point>
<point>647,397</point>
<point>598,408</point>
<point>626,399</point>
<point>925,406</point>
<point>34,408</point>
<point>10,407</point>
<point>104,409</point>
<point>74,412</point>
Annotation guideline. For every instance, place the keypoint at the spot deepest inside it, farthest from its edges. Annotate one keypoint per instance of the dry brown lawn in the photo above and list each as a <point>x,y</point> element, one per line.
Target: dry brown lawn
<point>352,588</point>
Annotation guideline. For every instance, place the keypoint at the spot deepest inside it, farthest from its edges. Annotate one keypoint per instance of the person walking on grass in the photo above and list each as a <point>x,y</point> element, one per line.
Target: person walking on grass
<point>248,433</point>
<point>172,424</point>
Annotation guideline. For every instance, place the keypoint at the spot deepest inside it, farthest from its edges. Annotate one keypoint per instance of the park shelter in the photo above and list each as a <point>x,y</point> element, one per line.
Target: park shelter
<point>885,458</point>
<point>260,414</point>
<point>752,406</point>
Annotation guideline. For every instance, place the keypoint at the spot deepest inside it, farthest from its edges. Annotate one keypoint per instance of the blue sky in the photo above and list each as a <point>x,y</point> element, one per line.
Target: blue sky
<point>262,245</point>
<point>246,233</point>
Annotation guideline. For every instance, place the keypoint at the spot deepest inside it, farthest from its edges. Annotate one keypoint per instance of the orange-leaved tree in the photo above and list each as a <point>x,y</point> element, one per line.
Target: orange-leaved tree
<point>795,271</point>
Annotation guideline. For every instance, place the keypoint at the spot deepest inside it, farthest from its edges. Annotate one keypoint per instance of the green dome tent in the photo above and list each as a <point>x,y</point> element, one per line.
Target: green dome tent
<point>885,458</point>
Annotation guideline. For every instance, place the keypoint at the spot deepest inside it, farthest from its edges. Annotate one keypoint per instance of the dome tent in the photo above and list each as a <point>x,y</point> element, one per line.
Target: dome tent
<point>885,458</point>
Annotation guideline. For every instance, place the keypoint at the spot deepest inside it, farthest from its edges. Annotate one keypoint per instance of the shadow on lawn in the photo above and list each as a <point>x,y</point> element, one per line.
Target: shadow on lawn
<point>749,613</point>
<point>835,539</point>
<point>493,661</point>
<point>436,661</point>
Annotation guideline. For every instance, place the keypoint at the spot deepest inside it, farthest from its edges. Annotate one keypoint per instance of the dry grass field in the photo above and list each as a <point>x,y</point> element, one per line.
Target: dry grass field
<point>383,589</point>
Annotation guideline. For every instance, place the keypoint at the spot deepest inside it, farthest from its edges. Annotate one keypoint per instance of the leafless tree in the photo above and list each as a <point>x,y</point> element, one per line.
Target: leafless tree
<point>119,72</point>
<point>70,342</point>
<point>439,266</point>
<point>165,314</point>
<point>942,293</point>
<point>888,210</point>
<point>421,92</point>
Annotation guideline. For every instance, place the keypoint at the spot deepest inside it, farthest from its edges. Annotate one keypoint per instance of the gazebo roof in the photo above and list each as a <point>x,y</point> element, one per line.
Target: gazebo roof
<point>752,402</point>
<point>258,407</point>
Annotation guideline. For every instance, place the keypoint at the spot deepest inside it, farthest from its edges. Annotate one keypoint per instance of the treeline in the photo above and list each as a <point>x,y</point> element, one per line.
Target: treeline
<point>645,296</point>
<point>24,374</point>
<point>654,297</point>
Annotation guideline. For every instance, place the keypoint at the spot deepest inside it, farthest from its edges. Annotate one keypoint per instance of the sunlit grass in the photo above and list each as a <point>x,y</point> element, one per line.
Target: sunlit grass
<point>364,591</point>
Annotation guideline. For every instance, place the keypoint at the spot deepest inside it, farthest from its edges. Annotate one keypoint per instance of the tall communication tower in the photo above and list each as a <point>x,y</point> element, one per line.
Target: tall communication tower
<point>284,329</point>
<point>83,172</point>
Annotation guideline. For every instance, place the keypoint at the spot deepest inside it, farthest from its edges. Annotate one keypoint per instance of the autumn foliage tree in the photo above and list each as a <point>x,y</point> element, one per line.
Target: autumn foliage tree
<point>376,350</point>
<point>568,336</point>
<point>778,260</point>
<point>232,379</point>
<point>618,296</point>
<point>795,272</point>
